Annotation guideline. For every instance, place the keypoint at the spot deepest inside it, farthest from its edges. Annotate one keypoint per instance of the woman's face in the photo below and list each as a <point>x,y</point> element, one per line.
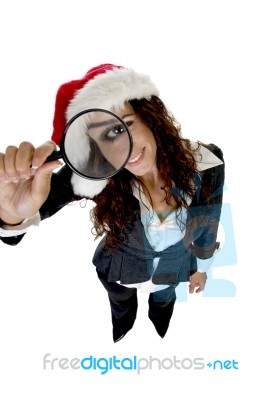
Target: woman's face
<point>114,143</point>
<point>143,157</point>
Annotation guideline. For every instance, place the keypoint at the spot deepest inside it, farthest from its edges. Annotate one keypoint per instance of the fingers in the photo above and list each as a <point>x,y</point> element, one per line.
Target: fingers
<point>197,281</point>
<point>9,171</point>
<point>3,176</point>
<point>192,287</point>
<point>16,163</point>
<point>24,156</point>
<point>39,167</point>
<point>41,153</point>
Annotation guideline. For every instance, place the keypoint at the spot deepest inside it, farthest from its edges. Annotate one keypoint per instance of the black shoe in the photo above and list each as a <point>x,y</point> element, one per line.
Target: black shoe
<point>119,334</point>
<point>117,339</point>
<point>160,326</point>
<point>161,330</point>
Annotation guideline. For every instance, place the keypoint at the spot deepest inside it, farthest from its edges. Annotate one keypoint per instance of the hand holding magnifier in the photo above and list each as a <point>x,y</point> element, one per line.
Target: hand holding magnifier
<point>96,144</point>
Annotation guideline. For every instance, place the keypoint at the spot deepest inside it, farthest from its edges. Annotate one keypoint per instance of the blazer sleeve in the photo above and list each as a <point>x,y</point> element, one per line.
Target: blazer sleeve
<point>61,193</point>
<point>207,208</point>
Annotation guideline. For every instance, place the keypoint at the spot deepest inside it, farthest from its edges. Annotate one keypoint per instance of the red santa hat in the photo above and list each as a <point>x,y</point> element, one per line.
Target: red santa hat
<point>105,86</point>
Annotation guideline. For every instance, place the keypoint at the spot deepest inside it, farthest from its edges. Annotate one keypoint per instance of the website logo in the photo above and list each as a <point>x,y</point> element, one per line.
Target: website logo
<point>134,363</point>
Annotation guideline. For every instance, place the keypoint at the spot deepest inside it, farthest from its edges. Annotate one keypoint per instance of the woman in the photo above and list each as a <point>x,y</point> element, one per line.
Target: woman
<point>158,217</point>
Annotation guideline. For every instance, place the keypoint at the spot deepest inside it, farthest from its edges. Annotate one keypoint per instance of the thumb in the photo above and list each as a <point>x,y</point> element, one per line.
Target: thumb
<point>191,288</point>
<point>42,178</point>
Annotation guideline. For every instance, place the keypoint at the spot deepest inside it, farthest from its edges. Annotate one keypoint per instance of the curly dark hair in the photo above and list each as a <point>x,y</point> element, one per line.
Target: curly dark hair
<point>115,205</point>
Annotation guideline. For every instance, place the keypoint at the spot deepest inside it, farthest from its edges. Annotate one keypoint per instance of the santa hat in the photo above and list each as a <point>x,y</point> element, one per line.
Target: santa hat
<point>105,86</point>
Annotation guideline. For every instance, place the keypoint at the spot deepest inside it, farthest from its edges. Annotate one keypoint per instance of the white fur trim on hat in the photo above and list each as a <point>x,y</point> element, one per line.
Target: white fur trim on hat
<point>111,89</point>
<point>87,187</point>
<point>107,90</point>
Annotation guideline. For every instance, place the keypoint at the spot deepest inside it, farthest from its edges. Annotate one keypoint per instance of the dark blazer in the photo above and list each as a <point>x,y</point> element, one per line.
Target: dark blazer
<point>132,262</point>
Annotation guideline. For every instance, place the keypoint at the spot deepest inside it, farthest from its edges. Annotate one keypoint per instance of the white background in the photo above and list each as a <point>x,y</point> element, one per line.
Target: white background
<point>201,56</point>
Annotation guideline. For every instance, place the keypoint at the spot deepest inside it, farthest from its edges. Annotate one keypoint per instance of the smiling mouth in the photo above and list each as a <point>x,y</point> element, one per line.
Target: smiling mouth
<point>137,158</point>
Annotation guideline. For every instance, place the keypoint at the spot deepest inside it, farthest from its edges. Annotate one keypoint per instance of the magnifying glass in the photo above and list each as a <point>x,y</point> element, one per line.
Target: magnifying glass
<point>96,144</point>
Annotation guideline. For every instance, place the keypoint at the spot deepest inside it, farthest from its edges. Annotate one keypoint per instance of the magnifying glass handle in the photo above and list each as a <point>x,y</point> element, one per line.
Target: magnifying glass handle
<point>56,155</point>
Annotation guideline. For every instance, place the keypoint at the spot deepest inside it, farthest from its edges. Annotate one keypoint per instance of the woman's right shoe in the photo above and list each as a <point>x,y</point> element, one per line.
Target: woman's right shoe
<point>117,339</point>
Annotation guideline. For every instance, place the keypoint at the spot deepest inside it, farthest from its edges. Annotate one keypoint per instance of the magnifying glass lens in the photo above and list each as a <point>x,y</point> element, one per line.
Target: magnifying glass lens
<point>96,144</point>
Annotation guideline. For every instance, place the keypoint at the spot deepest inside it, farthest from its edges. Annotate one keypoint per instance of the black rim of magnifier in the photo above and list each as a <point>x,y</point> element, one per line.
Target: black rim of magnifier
<point>62,143</point>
